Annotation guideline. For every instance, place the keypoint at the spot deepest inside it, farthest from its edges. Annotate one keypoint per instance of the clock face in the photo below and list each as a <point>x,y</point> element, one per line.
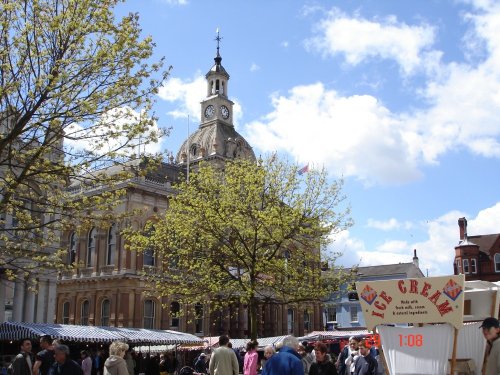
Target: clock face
<point>224,112</point>
<point>209,111</point>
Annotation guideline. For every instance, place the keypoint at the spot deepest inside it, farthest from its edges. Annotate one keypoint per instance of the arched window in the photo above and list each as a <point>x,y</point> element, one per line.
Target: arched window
<point>459,266</point>
<point>149,314</point>
<point>85,310</point>
<point>91,246</point>
<point>149,254</point>
<point>290,322</point>
<point>111,248</point>
<point>65,313</point>
<point>72,248</point>
<point>307,321</point>
<point>105,312</point>
<point>175,309</point>
<point>497,262</point>
<point>198,318</point>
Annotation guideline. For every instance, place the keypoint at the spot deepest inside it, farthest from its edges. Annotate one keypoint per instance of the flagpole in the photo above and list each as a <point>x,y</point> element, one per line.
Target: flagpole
<point>188,151</point>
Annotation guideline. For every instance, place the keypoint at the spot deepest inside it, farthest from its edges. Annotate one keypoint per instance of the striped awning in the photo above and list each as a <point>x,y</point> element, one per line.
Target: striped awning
<point>67,332</point>
<point>145,336</point>
<point>333,335</point>
<point>241,343</point>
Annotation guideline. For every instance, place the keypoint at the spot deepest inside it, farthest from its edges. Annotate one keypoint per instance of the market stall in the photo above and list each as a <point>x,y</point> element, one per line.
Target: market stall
<point>11,331</point>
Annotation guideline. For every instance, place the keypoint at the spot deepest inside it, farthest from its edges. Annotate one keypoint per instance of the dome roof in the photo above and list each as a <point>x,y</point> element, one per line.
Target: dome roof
<point>216,140</point>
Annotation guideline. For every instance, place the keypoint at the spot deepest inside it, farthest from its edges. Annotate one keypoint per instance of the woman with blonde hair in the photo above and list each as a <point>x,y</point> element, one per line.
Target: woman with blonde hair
<point>115,364</point>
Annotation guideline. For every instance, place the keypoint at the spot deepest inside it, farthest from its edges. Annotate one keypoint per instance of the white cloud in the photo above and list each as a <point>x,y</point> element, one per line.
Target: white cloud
<point>187,95</point>
<point>359,136</point>
<point>436,252</point>
<point>285,44</point>
<point>254,67</point>
<point>353,136</point>
<point>388,225</point>
<point>110,134</point>
<point>177,2</point>
<point>359,39</point>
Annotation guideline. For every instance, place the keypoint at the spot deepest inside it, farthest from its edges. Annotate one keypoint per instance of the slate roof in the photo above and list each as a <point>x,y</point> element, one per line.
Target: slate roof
<point>485,242</point>
<point>407,269</point>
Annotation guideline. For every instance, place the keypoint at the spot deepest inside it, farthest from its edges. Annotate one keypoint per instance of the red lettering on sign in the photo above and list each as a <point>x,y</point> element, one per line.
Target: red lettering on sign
<point>434,298</point>
<point>374,313</point>
<point>385,297</point>
<point>414,286</point>
<point>444,308</point>
<point>380,306</point>
<point>425,289</point>
<point>401,285</point>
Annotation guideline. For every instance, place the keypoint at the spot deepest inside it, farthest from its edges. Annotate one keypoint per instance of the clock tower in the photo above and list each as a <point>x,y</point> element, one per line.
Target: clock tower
<point>216,106</point>
<point>216,139</point>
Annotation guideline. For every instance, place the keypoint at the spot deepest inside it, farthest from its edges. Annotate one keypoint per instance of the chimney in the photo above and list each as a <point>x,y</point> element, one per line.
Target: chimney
<point>462,224</point>
<point>415,258</point>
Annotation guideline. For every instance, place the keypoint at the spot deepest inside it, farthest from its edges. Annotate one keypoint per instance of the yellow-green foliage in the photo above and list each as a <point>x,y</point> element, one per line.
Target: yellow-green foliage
<point>253,231</point>
<point>75,94</point>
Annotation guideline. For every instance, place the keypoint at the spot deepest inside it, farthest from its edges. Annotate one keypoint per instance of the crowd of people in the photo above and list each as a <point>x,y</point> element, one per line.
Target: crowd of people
<point>54,359</point>
<point>289,358</point>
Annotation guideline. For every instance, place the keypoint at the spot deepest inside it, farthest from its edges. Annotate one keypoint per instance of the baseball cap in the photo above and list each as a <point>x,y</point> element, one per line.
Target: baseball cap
<point>490,323</point>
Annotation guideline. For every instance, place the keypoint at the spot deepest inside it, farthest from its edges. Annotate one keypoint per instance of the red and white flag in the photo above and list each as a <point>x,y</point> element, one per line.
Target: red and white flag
<point>303,170</point>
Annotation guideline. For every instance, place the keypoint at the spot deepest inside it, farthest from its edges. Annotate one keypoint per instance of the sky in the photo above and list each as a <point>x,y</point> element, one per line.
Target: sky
<point>401,99</point>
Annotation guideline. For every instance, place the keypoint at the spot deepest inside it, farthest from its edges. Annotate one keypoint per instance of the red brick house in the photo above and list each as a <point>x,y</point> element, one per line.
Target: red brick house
<point>477,257</point>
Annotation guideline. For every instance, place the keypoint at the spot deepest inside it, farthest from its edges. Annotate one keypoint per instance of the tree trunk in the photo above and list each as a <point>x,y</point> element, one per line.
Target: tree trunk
<point>252,314</point>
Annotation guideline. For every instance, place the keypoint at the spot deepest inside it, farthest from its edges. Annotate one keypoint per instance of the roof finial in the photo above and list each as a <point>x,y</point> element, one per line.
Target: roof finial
<point>218,38</point>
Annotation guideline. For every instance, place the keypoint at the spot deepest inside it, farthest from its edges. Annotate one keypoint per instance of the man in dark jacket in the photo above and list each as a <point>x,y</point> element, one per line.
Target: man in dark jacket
<point>44,358</point>
<point>63,364</point>
<point>287,361</point>
<point>365,364</point>
<point>23,363</point>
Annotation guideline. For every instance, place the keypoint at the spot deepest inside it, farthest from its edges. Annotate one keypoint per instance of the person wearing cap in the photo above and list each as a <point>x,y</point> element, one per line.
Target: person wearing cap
<point>491,330</point>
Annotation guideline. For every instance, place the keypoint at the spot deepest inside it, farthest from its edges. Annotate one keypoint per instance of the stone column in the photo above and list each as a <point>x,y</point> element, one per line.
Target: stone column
<point>2,298</point>
<point>41,303</point>
<point>29,307</point>
<point>51,301</point>
<point>18,302</point>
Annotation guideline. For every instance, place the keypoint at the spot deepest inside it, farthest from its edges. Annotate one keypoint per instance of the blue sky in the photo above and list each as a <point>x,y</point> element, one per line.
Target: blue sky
<point>400,98</point>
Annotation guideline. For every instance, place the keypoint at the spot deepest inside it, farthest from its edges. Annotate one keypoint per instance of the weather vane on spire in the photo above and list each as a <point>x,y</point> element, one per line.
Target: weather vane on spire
<point>218,39</point>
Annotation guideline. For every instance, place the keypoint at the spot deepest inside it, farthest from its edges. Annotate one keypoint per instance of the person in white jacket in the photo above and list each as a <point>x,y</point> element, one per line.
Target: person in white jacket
<point>115,364</point>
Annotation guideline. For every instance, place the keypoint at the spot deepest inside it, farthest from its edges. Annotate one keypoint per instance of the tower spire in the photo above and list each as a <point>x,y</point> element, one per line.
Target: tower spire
<point>218,38</point>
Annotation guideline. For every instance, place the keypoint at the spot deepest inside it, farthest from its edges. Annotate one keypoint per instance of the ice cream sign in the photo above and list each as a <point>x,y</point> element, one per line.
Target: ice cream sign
<point>424,300</point>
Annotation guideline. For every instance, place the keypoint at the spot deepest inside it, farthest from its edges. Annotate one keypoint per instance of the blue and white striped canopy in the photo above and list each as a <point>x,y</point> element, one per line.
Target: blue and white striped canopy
<point>18,331</point>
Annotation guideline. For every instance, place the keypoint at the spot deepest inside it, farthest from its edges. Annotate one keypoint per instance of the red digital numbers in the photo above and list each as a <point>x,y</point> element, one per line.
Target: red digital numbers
<point>411,340</point>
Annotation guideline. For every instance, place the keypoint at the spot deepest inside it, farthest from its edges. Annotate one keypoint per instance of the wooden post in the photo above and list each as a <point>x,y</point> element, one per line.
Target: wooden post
<point>454,353</point>
<point>381,354</point>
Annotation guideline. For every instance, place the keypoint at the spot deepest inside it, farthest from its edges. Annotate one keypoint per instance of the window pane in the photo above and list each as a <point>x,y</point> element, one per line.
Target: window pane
<point>105,312</point>
<point>354,313</point>
<point>110,256</point>
<point>72,248</point>
<point>65,313</point>
<point>85,313</point>
<point>91,247</point>
<point>198,312</point>
<point>175,309</point>
<point>149,314</point>
<point>466,265</point>
<point>332,314</point>
<point>473,266</point>
<point>290,320</point>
